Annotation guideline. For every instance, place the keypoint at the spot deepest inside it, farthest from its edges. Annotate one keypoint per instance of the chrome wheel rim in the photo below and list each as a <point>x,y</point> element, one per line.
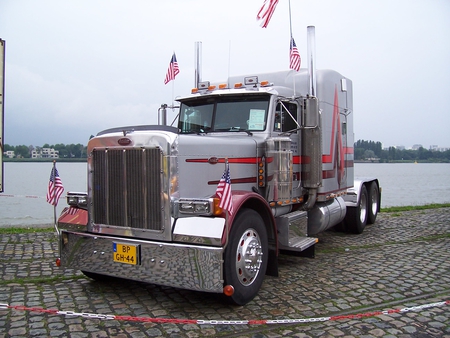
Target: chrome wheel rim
<point>363,208</point>
<point>374,204</point>
<point>248,257</point>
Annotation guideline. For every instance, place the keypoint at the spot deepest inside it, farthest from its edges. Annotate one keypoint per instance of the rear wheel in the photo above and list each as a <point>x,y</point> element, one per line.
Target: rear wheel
<point>356,217</point>
<point>374,198</point>
<point>246,256</point>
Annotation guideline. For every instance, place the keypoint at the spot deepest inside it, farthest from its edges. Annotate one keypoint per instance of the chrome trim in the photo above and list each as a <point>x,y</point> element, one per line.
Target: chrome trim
<point>176,265</point>
<point>199,230</point>
<point>325,215</point>
<point>147,170</point>
<point>127,186</point>
<point>72,227</point>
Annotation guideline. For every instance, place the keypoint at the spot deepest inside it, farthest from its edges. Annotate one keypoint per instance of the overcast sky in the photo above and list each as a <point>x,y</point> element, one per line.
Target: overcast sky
<point>76,67</point>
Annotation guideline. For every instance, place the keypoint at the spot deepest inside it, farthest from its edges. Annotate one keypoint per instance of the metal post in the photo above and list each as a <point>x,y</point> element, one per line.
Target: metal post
<point>198,63</point>
<point>312,59</point>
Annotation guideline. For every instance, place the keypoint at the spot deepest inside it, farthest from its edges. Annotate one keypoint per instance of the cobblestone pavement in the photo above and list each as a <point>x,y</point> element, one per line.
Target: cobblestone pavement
<point>400,262</point>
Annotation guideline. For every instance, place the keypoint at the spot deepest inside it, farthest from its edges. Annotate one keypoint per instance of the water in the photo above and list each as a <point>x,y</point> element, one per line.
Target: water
<point>23,202</point>
<point>409,183</point>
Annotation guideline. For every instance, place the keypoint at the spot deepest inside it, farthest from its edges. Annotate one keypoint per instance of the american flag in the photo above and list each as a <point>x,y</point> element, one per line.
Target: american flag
<point>173,70</point>
<point>224,191</point>
<point>266,12</point>
<point>55,187</point>
<point>294,57</point>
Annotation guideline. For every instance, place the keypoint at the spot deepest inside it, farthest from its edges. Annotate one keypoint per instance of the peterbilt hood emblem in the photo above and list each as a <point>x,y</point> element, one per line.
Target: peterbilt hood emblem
<point>124,141</point>
<point>213,160</point>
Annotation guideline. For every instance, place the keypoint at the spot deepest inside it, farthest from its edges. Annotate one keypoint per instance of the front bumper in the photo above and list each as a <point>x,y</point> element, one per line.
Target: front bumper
<point>169,264</point>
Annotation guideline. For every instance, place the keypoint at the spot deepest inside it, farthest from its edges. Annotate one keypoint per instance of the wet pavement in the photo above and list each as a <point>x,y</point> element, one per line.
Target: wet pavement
<point>391,281</point>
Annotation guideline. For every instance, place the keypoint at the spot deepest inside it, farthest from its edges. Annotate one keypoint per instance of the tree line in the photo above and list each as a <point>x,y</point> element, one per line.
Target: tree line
<point>64,150</point>
<point>373,151</point>
<point>363,151</point>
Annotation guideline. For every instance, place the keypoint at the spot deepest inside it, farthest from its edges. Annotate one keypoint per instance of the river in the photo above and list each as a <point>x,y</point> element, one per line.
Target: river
<point>23,201</point>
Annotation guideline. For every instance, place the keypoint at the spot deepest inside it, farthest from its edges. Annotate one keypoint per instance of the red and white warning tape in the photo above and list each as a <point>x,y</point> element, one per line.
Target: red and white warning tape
<point>27,196</point>
<point>221,322</point>
<point>23,196</point>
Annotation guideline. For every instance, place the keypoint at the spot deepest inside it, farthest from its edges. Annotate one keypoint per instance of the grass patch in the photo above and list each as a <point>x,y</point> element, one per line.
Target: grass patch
<point>12,231</point>
<point>379,245</point>
<point>415,207</point>
<point>40,280</point>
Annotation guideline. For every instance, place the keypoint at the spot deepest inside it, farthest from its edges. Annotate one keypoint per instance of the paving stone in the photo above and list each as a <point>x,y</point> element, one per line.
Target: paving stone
<point>399,262</point>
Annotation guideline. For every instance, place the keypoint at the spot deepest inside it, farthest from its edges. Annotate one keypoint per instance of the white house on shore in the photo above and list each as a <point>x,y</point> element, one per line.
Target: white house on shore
<point>45,153</point>
<point>9,153</point>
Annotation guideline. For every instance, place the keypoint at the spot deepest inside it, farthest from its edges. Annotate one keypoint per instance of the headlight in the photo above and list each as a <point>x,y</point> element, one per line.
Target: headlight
<point>77,199</point>
<point>195,206</point>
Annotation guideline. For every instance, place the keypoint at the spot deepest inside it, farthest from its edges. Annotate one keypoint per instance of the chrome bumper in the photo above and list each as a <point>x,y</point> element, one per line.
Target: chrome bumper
<point>170,264</point>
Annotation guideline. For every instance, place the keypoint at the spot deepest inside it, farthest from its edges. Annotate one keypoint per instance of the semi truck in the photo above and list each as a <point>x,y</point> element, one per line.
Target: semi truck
<point>282,142</point>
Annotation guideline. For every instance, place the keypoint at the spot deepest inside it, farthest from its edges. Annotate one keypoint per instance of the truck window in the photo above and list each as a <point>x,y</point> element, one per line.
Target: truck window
<point>195,119</point>
<point>241,116</point>
<point>237,113</point>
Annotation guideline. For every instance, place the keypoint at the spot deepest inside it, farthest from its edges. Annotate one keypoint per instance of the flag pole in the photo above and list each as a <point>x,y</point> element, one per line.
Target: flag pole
<point>290,42</point>
<point>173,86</point>
<point>290,21</point>
<point>54,197</point>
<point>226,213</point>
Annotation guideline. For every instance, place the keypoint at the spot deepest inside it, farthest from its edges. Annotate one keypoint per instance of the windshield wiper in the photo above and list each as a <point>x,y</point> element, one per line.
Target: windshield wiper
<point>239,129</point>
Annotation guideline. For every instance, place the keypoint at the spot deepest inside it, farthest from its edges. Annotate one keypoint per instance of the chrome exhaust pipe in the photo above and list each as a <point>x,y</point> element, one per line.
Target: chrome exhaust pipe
<point>311,36</point>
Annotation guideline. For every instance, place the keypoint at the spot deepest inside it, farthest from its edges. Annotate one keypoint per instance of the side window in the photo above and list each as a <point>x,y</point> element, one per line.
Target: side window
<point>285,117</point>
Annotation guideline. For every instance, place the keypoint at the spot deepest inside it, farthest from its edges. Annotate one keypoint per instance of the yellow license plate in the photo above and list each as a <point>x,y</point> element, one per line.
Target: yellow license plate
<point>125,253</point>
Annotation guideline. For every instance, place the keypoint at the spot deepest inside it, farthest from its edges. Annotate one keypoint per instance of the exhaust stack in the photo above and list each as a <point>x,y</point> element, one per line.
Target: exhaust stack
<point>198,63</point>
<point>162,115</point>
<point>311,35</point>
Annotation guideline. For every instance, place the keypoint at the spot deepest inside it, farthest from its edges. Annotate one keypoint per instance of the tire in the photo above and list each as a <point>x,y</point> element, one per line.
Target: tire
<point>356,217</point>
<point>374,200</point>
<point>246,256</point>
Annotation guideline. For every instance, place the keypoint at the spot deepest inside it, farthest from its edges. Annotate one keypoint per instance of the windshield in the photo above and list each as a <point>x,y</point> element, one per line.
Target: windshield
<point>237,113</point>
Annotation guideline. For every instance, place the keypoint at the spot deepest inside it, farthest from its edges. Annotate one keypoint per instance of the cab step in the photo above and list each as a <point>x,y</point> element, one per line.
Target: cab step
<point>292,234</point>
<point>300,243</point>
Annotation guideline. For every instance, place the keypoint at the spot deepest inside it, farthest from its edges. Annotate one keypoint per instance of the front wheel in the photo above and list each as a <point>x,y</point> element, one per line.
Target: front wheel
<point>356,217</point>
<point>246,256</point>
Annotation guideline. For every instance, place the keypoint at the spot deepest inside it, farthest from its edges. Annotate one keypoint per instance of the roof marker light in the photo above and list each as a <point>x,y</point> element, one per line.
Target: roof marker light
<point>264,83</point>
<point>194,90</point>
<point>238,85</point>
<point>211,87</point>
<point>222,86</point>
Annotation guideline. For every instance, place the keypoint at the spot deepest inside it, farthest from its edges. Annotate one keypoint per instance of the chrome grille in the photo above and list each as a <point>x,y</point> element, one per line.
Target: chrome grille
<point>127,187</point>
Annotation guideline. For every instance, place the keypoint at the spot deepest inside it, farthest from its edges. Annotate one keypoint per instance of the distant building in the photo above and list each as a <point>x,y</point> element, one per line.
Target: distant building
<point>416,146</point>
<point>9,153</point>
<point>45,153</point>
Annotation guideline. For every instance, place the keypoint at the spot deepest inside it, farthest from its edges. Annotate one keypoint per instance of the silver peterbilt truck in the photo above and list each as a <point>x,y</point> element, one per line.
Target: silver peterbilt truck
<point>151,212</point>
